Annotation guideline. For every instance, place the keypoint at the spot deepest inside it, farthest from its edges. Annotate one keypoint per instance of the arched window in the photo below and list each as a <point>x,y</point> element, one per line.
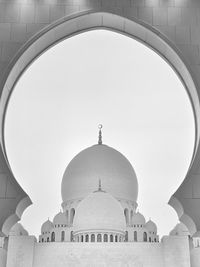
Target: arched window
<point>87,238</point>
<point>53,237</point>
<point>82,238</point>
<point>92,238</point>
<point>111,238</point>
<point>116,238</point>
<point>62,236</point>
<point>145,237</point>
<point>155,239</point>
<point>131,217</point>
<point>126,216</point>
<point>149,239</point>
<point>47,239</point>
<point>135,236</point>
<point>71,236</point>
<point>42,240</point>
<point>67,216</point>
<point>105,238</point>
<point>99,238</point>
<point>126,236</point>
<point>72,213</point>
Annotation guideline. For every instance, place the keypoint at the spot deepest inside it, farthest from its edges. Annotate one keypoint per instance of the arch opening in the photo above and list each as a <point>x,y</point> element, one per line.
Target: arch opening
<point>128,33</point>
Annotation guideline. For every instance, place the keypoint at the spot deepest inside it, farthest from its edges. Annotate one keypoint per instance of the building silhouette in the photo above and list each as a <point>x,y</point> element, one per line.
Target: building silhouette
<point>99,223</point>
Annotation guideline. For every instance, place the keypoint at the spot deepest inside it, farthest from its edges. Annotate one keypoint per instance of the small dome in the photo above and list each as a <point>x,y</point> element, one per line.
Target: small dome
<point>99,161</point>
<point>180,229</point>
<point>151,226</point>
<point>18,230</point>
<point>46,227</point>
<point>60,219</point>
<point>99,211</point>
<point>138,218</point>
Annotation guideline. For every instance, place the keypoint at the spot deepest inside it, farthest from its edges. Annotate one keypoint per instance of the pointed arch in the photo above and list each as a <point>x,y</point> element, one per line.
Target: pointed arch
<point>111,238</point>
<point>145,237</point>
<point>135,236</point>
<point>126,216</point>
<point>99,238</point>
<point>131,218</point>
<point>67,217</point>
<point>92,238</point>
<point>71,236</point>
<point>72,213</point>
<point>87,238</point>
<point>134,28</point>
<point>126,236</point>
<point>62,236</point>
<point>53,237</point>
<point>105,238</point>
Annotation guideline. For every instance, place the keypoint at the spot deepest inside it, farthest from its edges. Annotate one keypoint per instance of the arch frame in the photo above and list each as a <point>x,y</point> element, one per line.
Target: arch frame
<point>80,22</point>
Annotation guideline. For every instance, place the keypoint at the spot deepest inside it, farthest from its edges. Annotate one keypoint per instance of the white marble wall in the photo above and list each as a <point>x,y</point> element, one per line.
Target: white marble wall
<point>3,257</point>
<point>176,251</point>
<point>195,257</point>
<point>172,252</point>
<point>21,251</point>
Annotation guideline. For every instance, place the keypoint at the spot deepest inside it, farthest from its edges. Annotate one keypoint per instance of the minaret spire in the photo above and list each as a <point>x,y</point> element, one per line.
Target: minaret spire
<point>100,134</point>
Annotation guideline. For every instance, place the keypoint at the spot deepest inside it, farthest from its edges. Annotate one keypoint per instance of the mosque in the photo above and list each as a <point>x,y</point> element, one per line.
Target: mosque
<point>99,224</point>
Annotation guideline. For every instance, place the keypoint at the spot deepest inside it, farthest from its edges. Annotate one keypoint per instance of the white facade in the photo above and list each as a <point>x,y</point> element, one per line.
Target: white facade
<point>172,251</point>
<point>100,227</point>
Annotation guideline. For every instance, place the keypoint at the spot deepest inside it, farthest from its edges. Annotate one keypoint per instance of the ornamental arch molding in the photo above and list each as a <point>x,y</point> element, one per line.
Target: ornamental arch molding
<point>13,201</point>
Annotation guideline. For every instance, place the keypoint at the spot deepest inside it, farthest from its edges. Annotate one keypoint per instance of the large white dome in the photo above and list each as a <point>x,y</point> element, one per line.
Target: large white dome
<point>99,212</point>
<point>99,162</point>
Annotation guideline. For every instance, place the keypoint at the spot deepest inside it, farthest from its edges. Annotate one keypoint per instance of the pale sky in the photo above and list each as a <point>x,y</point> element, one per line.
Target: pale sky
<point>99,77</point>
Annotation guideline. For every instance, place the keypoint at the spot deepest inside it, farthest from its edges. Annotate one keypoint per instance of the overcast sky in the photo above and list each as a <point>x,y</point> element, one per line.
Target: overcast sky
<point>99,77</point>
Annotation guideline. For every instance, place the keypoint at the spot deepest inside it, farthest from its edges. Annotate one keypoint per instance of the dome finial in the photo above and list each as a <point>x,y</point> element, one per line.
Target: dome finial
<point>100,126</point>
<point>99,189</point>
